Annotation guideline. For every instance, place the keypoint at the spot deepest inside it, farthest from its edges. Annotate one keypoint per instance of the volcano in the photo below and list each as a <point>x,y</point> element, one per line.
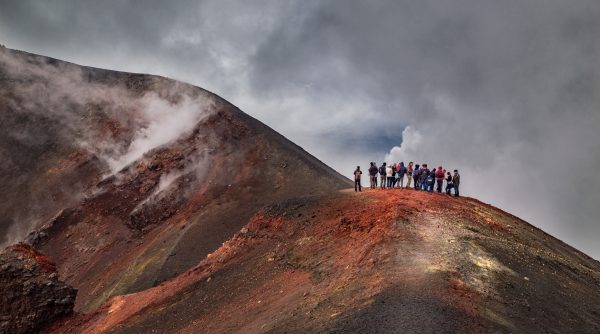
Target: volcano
<point>169,210</point>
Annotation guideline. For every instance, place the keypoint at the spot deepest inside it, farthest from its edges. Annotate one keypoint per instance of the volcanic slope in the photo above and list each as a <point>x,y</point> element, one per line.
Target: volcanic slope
<point>171,211</point>
<point>376,262</point>
<point>135,178</point>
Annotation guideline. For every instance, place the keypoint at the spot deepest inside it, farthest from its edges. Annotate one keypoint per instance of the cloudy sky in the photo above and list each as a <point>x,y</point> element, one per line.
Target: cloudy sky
<point>507,91</point>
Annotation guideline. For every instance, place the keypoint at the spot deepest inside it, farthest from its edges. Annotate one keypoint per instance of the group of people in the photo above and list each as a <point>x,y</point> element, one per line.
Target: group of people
<point>423,178</point>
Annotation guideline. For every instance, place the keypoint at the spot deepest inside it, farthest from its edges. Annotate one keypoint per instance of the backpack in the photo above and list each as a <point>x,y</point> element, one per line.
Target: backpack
<point>439,173</point>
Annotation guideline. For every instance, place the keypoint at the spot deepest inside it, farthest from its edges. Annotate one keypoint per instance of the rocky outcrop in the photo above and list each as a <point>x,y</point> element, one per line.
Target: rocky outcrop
<point>32,294</point>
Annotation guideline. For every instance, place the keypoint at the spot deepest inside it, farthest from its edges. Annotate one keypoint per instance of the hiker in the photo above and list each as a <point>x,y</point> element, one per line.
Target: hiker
<point>456,182</point>
<point>431,180</point>
<point>357,174</point>
<point>394,172</point>
<point>390,178</point>
<point>373,175</point>
<point>448,183</point>
<point>416,176</point>
<point>444,178</point>
<point>382,176</point>
<point>424,176</point>
<point>439,178</point>
<point>400,174</point>
<point>409,172</point>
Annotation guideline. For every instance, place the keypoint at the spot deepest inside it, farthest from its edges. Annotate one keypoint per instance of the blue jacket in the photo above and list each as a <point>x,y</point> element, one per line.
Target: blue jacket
<point>416,172</point>
<point>402,170</point>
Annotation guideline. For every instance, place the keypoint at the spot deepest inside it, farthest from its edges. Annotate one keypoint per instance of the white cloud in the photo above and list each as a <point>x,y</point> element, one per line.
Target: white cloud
<point>164,122</point>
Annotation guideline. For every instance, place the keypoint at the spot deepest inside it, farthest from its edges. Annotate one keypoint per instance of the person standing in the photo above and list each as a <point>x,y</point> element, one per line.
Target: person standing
<point>424,176</point>
<point>456,182</point>
<point>416,177</point>
<point>382,178</point>
<point>444,177</point>
<point>357,175</point>
<point>400,175</point>
<point>431,180</point>
<point>373,175</point>
<point>409,172</point>
<point>389,171</point>
<point>439,179</point>
<point>448,183</point>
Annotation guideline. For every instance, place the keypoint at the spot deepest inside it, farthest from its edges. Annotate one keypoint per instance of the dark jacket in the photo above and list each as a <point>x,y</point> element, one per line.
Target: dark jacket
<point>416,172</point>
<point>431,177</point>
<point>373,170</point>
<point>382,169</point>
<point>402,169</point>
<point>425,174</point>
<point>456,179</point>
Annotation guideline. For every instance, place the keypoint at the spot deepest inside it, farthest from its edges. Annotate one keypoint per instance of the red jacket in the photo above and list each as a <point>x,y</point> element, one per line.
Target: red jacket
<point>439,175</point>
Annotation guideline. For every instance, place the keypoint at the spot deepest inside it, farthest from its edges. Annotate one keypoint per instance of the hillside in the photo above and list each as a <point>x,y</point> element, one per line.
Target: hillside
<point>169,210</point>
<point>139,168</point>
<point>378,262</point>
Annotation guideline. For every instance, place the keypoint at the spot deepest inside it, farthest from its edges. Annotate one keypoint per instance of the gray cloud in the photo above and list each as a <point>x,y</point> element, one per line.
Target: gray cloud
<point>508,91</point>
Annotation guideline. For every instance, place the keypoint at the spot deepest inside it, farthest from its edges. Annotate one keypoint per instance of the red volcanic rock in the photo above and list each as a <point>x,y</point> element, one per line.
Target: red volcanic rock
<point>376,262</point>
<point>31,293</point>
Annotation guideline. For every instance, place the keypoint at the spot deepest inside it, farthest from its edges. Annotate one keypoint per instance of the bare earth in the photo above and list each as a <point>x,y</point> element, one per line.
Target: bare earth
<point>396,261</point>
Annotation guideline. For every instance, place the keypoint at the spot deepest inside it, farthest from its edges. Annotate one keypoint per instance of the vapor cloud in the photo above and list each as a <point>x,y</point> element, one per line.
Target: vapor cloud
<point>507,92</point>
<point>164,123</point>
<point>58,107</point>
<point>62,93</point>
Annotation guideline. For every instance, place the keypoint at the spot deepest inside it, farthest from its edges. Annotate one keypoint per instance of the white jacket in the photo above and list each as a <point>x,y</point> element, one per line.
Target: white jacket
<point>389,172</point>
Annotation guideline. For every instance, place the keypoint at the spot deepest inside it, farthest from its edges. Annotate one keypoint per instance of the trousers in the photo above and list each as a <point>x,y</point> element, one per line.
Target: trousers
<point>373,179</point>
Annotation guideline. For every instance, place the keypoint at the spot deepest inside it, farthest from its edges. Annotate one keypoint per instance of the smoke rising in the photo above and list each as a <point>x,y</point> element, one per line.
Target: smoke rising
<point>164,123</point>
<point>62,93</point>
<point>53,108</point>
